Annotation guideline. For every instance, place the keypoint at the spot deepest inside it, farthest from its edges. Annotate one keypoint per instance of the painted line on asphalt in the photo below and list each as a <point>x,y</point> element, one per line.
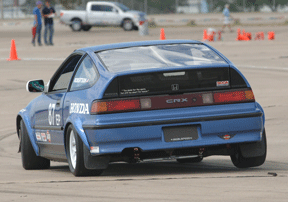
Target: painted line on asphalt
<point>266,68</point>
<point>38,59</point>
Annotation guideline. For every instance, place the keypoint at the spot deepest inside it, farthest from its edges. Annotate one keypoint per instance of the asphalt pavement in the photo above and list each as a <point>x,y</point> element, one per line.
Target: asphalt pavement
<point>265,65</point>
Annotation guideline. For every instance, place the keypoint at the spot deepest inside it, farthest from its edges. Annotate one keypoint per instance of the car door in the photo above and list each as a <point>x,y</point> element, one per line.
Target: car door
<point>95,15</point>
<point>78,99</point>
<point>48,116</point>
<point>103,15</point>
<point>111,15</point>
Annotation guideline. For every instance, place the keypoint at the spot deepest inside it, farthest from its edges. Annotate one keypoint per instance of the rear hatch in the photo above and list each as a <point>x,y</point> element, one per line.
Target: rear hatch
<point>175,82</point>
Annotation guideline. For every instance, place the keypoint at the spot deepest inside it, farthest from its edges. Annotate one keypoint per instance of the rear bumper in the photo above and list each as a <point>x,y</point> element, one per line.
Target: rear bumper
<point>244,126</point>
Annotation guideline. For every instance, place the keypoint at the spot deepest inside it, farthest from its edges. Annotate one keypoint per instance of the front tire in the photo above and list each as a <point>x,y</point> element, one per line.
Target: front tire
<point>29,158</point>
<point>241,162</point>
<point>75,154</point>
<point>128,25</point>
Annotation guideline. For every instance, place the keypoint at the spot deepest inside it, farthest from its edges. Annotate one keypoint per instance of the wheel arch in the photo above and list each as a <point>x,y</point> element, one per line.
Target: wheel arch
<point>18,120</point>
<point>23,117</point>
<point>127,18</point>
<point>75,18</point>
<point>77,125</point>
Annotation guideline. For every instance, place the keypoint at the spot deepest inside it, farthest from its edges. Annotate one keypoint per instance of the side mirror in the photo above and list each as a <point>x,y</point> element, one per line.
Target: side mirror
<point>35,86</point>
<point>115,10</point>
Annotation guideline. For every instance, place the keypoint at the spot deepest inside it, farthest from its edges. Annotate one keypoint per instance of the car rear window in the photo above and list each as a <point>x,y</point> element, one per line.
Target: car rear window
<point>159,56</point>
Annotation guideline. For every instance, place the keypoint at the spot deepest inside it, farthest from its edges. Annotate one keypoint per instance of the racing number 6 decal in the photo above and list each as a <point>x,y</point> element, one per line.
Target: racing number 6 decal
<point>51,111</point>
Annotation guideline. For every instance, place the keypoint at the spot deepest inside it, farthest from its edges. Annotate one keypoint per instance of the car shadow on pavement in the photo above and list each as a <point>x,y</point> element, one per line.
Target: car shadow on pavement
<point>172,167</point>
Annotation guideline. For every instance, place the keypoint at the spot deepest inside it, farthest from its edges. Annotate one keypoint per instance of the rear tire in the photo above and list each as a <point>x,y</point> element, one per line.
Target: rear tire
<point>75,154</point>
<point>241,162</point>
<point>191,160</point>
<point>29,158</point>
<point>86,28</point>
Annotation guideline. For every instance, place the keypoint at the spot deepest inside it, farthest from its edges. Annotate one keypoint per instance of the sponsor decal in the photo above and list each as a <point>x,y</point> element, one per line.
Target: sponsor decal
<point>81,80</point>
<point>133,91</point>
<point>38,136</point>
<point>79,108</point>
<point>222,83</point>
<point>48,136</point>
<point>180,100</point>
<point>227,136</point>
<point>43,135</point>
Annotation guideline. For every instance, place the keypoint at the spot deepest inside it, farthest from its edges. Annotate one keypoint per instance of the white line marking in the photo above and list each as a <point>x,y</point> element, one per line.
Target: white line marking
<point>38,59</point>
<point>260,67</point>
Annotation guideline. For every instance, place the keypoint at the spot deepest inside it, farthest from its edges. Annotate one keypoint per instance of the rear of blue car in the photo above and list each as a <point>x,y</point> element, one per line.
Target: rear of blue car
<point>181,105</point>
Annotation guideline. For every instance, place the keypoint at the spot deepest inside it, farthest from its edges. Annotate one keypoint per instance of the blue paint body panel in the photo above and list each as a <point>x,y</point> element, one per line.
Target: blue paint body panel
<point>144,129</point>
<point>150,137</point>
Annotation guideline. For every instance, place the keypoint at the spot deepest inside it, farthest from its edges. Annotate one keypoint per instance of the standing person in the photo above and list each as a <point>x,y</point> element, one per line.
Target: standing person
<point>227,17</point>
<point>48,14</point>
<point>37,23</point>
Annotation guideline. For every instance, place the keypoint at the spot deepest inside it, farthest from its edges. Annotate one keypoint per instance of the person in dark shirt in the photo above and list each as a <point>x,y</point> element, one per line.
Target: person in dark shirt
<point>48,13</point>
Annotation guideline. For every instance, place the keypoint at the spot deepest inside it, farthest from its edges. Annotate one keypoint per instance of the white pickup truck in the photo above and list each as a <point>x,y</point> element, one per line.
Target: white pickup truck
<point>102,13</point>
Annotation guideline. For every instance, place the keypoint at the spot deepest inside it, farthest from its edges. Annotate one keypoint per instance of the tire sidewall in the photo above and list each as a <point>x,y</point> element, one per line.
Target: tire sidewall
<point>79,169</point>
<point>75,24</point>
<point>129,28</point>
<point>73,170</point>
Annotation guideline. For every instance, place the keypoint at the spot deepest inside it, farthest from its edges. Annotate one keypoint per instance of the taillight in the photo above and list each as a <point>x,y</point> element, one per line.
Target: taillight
<point>172,101</point>
<point>61,14</point>
<point>233,96</point>
<point>100,107</point>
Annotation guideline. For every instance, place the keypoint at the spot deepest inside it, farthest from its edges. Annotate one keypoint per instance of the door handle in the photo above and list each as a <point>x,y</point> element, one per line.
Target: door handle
<point>58,103</point>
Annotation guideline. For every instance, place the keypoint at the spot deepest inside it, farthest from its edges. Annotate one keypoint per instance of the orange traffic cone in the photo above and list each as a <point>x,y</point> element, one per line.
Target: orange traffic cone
<point>205,36</point>
<point>13,52</point>
<point>162,34</point>
<point>271,35</point>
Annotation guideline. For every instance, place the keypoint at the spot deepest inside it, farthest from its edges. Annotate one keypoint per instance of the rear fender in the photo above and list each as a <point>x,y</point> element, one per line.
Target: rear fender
<point>77,124</point>
<point>262,110</point>
<point>23,115</point>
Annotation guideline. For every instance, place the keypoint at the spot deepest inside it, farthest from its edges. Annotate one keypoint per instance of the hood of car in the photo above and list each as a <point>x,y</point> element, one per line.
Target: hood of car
<point>140,13</point>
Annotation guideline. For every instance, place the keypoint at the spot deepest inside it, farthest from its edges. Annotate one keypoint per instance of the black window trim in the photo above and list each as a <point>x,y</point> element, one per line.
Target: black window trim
<point>60,69</point>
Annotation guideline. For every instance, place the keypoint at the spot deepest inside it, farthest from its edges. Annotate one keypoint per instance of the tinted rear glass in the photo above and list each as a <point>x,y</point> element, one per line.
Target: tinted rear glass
<point>160,56</point>
<point>174,82</point>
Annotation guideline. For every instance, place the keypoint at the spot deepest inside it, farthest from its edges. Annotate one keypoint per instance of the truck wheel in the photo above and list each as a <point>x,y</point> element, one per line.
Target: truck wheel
<point>29,159</point>
<point>191,160</point>
<point>241,162</point>
<point>86,27</point>
<point>128,25</point>
<point>76,25</point>
<point>75,154</point>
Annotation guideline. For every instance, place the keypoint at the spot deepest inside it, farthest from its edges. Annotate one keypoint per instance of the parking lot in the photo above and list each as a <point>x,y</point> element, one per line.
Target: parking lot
<point>265,65</point>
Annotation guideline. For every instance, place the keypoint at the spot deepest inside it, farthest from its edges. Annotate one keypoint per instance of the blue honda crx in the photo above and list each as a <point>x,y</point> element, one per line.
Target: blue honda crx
<point>172,99</point>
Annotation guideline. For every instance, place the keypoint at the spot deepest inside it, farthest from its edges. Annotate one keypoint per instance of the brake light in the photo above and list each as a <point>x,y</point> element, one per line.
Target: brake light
<point>233,96</point>
<point>172,101</point>
<point>99,107</point>
<point>61,14</point>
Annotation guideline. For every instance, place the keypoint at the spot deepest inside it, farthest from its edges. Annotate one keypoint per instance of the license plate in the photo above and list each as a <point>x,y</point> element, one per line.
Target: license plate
<point>180,133</point>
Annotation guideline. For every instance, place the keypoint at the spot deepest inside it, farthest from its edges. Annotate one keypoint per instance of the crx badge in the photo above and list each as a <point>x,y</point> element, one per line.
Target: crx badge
<point>175,86</point>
